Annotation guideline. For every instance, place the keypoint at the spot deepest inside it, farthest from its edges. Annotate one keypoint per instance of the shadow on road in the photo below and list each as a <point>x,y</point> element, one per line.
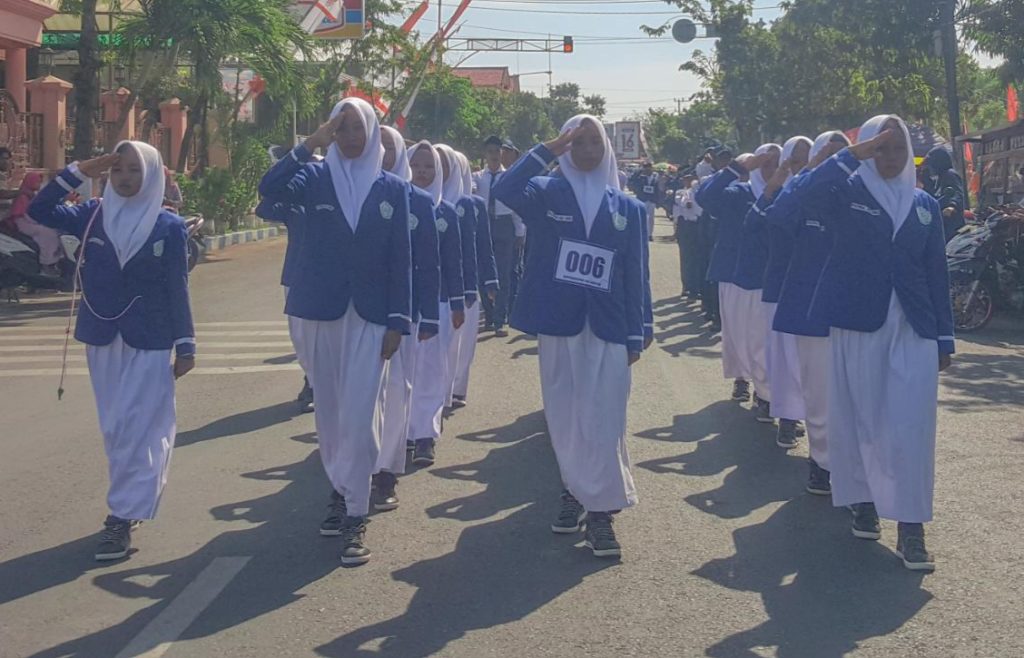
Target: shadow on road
<point>501,570</point>
<point>727,437</point>
<point>824,591</point>
<point>676,319</point>
<point>240,423</point>
<point>980,381</point>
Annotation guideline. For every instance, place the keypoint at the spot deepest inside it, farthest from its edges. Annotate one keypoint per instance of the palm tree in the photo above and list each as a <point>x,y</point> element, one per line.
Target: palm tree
<point>86,80</point>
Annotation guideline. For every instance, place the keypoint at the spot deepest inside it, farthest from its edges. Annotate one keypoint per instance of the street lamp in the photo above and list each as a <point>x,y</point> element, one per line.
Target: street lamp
<point>46,59</point>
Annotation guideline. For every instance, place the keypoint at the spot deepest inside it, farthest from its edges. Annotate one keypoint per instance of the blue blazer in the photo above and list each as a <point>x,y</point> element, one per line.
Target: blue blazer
<point>450,234</point>
<point>370,268</point>
<point>279,212</point>
<point>779,248</point>
<point>868,262</point>
<point>146,301</point>
<point>465,210</point>
<point>810,239</point>
<point>548,207</point>
<point>729,200</point>
<point>426,261</point>
<point>487,268</point>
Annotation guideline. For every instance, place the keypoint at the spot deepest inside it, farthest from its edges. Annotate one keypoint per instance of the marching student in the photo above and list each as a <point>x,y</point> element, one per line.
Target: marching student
<point>780,348</point>
<point>135,311</point>
<point>729,198</point>
<point>396,394</point>
<point>686,213</point>
<point>812,238</point>
<point>885,293</point>
<point>352,296</point>
<point>645,185</point>
<point>583,295</point>
<point>482,276</point>
<point>431,383</point>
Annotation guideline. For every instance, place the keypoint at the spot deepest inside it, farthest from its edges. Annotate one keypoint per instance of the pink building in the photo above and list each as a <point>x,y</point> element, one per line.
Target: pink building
<point>21,27</point>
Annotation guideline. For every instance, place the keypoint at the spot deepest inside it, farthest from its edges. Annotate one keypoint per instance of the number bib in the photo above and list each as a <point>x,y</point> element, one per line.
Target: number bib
<point>648,189</point>
<point>584,264</point>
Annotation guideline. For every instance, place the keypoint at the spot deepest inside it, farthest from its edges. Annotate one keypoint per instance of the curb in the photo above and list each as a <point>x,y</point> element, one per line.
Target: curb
<point>219,242</point>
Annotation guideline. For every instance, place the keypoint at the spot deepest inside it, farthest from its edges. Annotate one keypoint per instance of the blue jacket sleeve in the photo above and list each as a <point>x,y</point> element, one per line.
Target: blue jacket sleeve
<point>427,277</point>
<point>400,269</point>
<point>756,219</point>
<point>713,194</point>
<point>784,211</point>
<point>636,282</point>
<point>516,189</point>
<point>816,191</point>
<point>648,302</point>
<point>451,259</point>
<point>487,269</point>
<point>467,225</point>
<point>937,271</point>
<point>176,256</point>
<point>286,181</point>
<point>48,206</point>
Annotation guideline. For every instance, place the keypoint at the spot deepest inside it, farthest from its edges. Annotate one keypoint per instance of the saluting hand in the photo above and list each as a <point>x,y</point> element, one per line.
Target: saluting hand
<point>778,179</point>
<point>324,135</point>
<point>95,167</point>
<point>830,149</point>
<point>392,339</point>
<point>561,144</point>
<point>752,162</point>
<point>869,148</point>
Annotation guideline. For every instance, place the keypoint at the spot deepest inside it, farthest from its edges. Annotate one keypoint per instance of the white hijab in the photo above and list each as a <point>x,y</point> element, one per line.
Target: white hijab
<point>790,146</point>
<point>467,174</point>
<point>129,221</point>
<point>895,195</point>
<point>757,181</point>
<point>823,140</point>
<point>354,177</point>
<point>453,186</point>
<point>437,186</point>
<point>590,187</point>
<point>401,167</point>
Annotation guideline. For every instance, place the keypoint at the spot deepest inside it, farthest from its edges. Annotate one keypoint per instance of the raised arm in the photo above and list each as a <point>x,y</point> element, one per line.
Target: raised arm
<point>48,206</point>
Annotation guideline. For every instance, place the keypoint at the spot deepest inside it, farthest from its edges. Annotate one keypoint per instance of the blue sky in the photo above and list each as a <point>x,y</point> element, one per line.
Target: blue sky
<point>632,75</point>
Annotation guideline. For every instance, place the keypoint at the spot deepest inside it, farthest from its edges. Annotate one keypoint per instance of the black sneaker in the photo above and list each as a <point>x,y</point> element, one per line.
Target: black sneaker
<point>570,517</point>
<point>786,437</point>
<point>865,521</point>
<point>715,328</point>
<point>410,445</point>
<point>353,534</point>
<point>763,410</point>
<point>305,398</point>
<point>801,430</point>
<point>458,401</point>
<point>115,540</point>
<point>424,454</point>
<point>500,332</point>
<point>910,547</point>
<point>335,521</point>
<point>818,480</point>
<point>600,536</point>
<point>384,497</point>
<point>741,390</point>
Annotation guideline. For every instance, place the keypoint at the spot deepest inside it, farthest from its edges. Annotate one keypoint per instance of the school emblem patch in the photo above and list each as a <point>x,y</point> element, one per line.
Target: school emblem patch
<point>924,216</point>
<point>414,221</point>
<point>386,210</point>
<point>442,225</point>
<point>460,211</point>
<point>619,222</point>
<point>158,248</point>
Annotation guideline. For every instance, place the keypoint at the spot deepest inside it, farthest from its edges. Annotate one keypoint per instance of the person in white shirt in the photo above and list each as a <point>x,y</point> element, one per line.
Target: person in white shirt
<point>685,213</point>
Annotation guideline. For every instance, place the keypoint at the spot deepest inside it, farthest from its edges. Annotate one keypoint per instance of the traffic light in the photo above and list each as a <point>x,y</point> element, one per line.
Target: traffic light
<point>567,46</point>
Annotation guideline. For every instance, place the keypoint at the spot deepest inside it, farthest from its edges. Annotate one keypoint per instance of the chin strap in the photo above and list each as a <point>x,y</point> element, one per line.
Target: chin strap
<point>74,294</point>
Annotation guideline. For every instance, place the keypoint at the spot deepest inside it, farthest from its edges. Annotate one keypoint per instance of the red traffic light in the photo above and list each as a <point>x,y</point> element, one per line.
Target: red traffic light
<point>567,45</point>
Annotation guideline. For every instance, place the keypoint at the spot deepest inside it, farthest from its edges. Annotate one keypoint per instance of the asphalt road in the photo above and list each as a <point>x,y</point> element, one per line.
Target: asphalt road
<point>724,556</point>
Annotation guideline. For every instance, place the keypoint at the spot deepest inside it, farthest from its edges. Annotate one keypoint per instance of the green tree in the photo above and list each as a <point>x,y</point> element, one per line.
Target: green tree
<point>995,26</point>
<point>86,79</point>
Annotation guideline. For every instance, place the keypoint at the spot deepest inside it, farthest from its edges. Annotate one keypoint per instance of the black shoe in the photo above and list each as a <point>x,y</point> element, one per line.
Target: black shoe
<point>353,534</point>
<point>911,549</point>
<point>115,540</point>
<point>458,402</point>
<point>384,497</point>
<point>818,480</point>
<point>600,536</point>
<point>335,521</point>
<point>786,437</point>
<point>570,517</point>
<point>865,521</point>
<point>410,445</point>
<point>305,398</point>
<point>715,327</point>
<point>763,410</point>
<point>424,454</point>
<point>500,332</point>
<point>741,390</point>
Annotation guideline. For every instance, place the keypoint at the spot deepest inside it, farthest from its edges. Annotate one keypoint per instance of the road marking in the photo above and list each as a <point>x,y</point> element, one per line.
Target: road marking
<point>224,370</point>
<point>205,356</point>
<point>158,635</point>
<point>203,345</point>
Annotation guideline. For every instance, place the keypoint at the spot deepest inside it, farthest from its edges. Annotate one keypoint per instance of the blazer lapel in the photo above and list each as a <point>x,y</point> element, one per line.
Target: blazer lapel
<point>327,192</point>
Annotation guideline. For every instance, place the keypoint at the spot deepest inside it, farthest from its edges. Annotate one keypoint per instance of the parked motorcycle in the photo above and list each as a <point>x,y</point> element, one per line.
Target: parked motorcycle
<point>196,245</point>
<point>986,268</point>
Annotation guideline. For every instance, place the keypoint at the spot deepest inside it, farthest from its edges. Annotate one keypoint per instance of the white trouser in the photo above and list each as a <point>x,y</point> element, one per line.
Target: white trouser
<point>783,367</point>
<point>883,393</point>
<point>134,392</point>
<point>743,336</point>
<point>651,208</point>
<point>293,332</point>
<point>813,356</point>
<point>585,384</point>
<point>395,401</point>
<point>430,376</point>
<point>347,378</point>
<point>467,337</point>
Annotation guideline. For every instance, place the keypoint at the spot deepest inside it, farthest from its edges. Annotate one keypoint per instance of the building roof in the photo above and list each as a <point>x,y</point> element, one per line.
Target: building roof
<point>489,77</point>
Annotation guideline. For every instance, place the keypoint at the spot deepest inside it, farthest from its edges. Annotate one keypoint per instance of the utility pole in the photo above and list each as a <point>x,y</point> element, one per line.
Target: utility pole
<point>440,62</point>
<point>679,105</point>
<point>947,25</point>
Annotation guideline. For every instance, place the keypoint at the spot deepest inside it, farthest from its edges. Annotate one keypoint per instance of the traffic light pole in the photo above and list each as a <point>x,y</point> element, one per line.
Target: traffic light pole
<point>949,52</point>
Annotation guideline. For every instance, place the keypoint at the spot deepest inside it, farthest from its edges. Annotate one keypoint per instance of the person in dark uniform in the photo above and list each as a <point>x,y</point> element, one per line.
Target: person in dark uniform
<point>707,235</point>
<point>945,185</point>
